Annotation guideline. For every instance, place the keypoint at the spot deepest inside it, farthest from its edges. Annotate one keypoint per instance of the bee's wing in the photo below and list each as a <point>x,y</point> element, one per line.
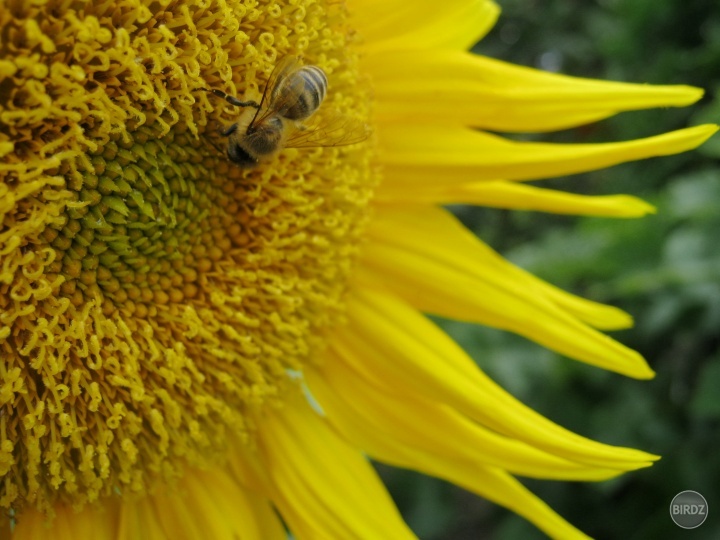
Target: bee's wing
<point>280,76</point>
<point>329,130</point>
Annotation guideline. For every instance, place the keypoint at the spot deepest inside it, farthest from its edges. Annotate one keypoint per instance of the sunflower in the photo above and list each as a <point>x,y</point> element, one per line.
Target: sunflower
<point>194,350</point>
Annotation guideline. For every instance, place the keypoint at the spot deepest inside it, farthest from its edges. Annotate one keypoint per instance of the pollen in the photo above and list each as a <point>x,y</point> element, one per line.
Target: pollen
<point>152,293</point>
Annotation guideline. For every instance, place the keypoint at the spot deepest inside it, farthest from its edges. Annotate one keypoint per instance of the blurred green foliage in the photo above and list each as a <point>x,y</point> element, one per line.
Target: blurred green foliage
<point>663,269</point>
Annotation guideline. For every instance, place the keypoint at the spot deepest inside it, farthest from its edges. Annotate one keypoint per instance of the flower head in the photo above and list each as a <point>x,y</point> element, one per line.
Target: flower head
<point>164,312</point>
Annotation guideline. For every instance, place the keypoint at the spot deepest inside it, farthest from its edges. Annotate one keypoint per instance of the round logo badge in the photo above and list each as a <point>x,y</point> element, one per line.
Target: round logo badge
<point>688,509</point>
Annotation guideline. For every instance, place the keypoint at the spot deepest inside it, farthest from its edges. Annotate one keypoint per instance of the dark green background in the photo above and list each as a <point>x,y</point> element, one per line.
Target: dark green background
<point>663,269</point>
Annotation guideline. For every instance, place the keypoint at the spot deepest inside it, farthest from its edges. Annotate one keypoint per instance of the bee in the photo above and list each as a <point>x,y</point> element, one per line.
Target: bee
<point>293,94</point>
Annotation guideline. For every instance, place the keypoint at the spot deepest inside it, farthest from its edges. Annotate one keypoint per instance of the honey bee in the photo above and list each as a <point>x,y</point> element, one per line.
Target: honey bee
<point>293,94</point>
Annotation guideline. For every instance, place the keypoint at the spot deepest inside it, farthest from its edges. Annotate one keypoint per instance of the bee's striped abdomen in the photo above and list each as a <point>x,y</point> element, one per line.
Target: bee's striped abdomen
<point>309,84</point>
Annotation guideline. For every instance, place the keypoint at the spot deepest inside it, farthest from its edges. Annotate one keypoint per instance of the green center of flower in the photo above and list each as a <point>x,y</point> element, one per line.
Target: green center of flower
<point>153,296</point>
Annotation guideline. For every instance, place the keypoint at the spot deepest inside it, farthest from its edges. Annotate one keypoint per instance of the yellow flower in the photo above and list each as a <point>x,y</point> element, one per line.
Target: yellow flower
<point>187,347</point>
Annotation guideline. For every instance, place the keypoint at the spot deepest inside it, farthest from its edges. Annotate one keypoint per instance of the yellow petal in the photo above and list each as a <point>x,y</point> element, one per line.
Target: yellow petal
<point>401,344</point>
<point>325,489</point>
<point>433,222</point>
<point>95,523</point>
<point>204,504</point>
<point>427,155</point>
<point>595,314</point>
<point>400,25</point>
<point>426,258</point>
<point>385,417</point>
<point>510,493</point>
<point>140,520</point>
<point>401,437</point>
<point>456,87</point>
<point>502,194</point>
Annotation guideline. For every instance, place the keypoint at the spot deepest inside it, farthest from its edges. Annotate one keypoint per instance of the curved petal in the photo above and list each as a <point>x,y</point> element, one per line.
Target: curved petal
<point>597,315</point>
<point>324,488</point>
<point>472,90</point>
<point>388,25</point>
<point>403,345</point>
<point>204,504</point>
<point>426,258</point>
<point>396,431</point>
<point>96,523</point>
<point>503,194</point>
<point>427,155</point>
<point>384,415</point>
<point>431,222</point>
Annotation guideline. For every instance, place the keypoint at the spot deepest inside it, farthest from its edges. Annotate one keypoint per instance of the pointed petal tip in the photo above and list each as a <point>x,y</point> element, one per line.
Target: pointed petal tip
<point>633,365</point>
<point>616,319</point>
<point>686,95</point>
<point>619,323</point>
<point>646,460</point>
<point>650,209</point>
<point>704,132</point>
<point>632,207</point>
<point>631,459</point>
<point>644,373</point>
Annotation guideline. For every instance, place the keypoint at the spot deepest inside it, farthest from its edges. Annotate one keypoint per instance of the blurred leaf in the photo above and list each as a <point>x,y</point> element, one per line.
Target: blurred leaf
<point>705,402</point>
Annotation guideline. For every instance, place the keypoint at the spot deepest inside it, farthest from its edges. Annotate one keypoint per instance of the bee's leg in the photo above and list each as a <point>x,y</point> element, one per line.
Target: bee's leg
<point>238,103</point>
<point>233,100</point>
<point>228,130</point>
<point>215,145</point>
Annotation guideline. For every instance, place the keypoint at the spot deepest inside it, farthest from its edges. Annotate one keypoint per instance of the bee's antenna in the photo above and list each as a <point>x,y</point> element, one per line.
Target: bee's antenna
<point>233,100</point>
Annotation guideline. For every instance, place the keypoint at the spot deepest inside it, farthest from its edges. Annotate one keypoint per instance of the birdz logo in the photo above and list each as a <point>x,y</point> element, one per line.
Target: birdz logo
<point>688,509</point>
